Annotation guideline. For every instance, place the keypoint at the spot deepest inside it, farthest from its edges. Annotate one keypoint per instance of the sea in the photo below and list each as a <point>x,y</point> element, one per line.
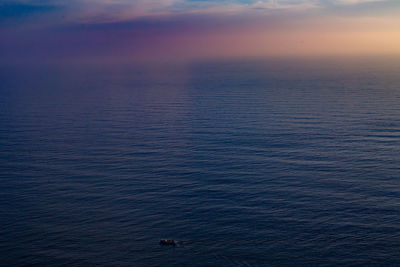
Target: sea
<point>245,162</point>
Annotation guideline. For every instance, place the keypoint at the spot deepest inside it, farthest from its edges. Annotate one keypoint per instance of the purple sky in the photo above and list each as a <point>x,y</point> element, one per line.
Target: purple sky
<point>186,29</point>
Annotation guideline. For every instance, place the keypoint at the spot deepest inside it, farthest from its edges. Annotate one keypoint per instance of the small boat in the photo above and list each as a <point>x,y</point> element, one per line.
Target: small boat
<point>168,242</point>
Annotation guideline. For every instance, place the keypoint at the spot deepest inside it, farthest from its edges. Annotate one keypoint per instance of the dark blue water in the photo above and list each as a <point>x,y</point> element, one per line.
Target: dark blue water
<point>275,163</point>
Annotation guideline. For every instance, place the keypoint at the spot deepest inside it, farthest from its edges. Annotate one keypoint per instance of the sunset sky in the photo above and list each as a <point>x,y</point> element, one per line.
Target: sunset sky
<point>190,29</point>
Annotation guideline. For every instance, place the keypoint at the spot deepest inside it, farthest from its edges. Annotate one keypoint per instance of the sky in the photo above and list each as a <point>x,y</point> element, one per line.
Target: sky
<point>196,29</point>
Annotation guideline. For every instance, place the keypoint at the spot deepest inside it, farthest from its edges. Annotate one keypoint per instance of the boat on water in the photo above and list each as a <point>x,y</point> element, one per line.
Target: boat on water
<point>168,242</point>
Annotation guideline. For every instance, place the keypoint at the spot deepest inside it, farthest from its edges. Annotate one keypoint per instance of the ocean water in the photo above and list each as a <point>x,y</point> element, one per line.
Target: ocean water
<point>246,163</point>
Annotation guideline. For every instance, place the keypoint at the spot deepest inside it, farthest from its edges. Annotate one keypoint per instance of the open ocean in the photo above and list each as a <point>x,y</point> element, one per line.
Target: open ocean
<point>247,163</point>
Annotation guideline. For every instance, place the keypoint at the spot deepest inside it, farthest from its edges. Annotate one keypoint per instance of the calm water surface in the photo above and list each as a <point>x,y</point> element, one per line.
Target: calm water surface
<point>274,163</point>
